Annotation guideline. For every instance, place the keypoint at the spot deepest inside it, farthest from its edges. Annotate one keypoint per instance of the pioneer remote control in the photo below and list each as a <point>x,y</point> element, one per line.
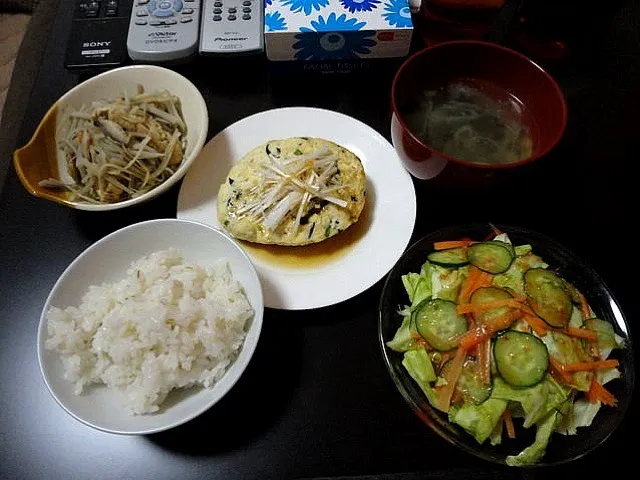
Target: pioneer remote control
<point>232,26</point>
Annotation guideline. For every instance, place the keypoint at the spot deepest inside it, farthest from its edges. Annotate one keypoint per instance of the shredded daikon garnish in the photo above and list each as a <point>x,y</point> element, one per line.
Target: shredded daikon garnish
<point>119,149</point>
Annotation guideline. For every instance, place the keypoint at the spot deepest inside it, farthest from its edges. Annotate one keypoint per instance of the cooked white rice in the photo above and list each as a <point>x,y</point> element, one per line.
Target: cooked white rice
<point>168,324</point>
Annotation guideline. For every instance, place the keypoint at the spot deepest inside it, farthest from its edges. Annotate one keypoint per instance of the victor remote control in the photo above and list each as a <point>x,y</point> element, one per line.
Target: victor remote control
<point>163,31</point>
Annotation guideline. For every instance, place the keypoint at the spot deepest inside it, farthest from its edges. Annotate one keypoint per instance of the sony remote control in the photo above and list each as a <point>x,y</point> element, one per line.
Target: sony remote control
<point>98,34</point>
<point>232,26</point>
<point>163,30</point>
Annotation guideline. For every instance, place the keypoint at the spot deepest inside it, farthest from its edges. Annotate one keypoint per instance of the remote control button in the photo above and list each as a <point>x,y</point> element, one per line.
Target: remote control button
<point>151,6</point>
<point>217,4</point>
<point>231,18</point>
<point>156,23</point>
<point>112,4</point>
<point>186,19</point>
<point>165,5</point>
<point>177,5</point>
<point>141,22</point>
<point>217,18</point>
<point>142,2</point>
<point>217,11</point>
<point>246,10</point>
<point>232,10</point>
<point>142,13</point>
<point>246,16</point>
<point>187,11</point>
<point>171,21</point>
<point>163,13</point>
<point>246,3</point>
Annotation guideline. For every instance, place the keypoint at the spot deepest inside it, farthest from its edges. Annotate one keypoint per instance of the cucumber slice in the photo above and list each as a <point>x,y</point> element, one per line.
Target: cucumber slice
<point>522,359</point>
<point>506,245</point>
<point>548,297</point>
<point>606,336</point>
<point>469,386</point>
<point>439,323</point>
<point>451,257</point>
<point>489,294</point>
<point>492,257</point>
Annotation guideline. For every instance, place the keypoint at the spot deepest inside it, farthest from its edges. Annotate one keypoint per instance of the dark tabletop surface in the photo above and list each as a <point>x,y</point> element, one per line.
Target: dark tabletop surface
<point>316,399</point>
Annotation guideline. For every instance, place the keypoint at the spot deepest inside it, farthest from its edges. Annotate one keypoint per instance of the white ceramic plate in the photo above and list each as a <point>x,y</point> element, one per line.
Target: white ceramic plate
<point>107,261</point>
<point>297,278</point>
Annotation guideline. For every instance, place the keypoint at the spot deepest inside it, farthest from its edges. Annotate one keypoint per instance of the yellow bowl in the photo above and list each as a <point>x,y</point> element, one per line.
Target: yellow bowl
<point>39,160</point>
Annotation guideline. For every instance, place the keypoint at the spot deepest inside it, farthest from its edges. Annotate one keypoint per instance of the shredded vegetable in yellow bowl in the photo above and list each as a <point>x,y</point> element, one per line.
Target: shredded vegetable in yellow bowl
<point>507,344</point>
<point>116,139</point>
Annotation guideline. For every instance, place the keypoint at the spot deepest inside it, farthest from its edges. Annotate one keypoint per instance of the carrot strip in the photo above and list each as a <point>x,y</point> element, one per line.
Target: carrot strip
<point>558,372</point>
<point>598,392</point>
<point>589,366</point>
<point>581,333</point>
<point>536,323</point>
<point>447,244</point>
<point>452,375</point>
<point>444,358</point>
<point>484,361</point>
<point>484,331</point>
<point>508,422</point>
<point>494,230</point>
<point>484,280</point>
<point>468,284</point>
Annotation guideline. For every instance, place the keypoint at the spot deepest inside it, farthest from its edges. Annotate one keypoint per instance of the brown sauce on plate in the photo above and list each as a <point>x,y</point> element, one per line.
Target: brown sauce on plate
<point>316,254</point>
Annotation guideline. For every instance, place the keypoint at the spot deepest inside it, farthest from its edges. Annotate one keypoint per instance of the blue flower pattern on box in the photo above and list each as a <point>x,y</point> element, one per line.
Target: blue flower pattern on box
<point>397,13</point>
<point>336,38</point>
<point>305,5</point>
<point>333,23</point>
<point>360,5</point>
<point>274,22</point>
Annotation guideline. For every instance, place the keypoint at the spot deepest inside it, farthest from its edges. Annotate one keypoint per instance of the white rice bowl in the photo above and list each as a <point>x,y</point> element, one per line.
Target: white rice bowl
<point>150,326</point>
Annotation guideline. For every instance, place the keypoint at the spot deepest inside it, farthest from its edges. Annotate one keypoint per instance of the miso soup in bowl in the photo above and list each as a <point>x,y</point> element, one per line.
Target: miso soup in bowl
<point>474,107</point>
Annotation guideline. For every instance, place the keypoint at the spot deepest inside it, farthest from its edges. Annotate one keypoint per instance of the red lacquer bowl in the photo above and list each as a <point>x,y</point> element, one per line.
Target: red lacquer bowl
<point>502,69</point>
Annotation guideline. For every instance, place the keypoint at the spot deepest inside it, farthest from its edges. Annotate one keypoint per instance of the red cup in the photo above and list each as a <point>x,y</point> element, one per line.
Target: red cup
<point>487,64</point>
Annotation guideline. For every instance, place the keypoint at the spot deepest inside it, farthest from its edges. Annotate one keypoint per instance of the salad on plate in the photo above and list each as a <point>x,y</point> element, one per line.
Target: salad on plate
<point>499,342</point>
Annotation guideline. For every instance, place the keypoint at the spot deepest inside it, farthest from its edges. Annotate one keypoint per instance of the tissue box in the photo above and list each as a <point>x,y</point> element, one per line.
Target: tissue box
<point>329,31</point>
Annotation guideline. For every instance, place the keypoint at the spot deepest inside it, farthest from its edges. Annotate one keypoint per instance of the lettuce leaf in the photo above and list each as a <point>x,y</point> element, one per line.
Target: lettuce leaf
<point>513,278</point>
<point>419,366</point>
<point>479,420</point>
<point>418,287</point>
<point>445,282</point>
<point>567,349</point>
<point>537,449</point>
<point>582,412</point>
<point>536,401</point>
<point>403,340</point>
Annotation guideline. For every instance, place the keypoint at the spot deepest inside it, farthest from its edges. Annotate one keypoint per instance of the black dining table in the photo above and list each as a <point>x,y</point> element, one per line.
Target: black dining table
<point>316,400</point>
